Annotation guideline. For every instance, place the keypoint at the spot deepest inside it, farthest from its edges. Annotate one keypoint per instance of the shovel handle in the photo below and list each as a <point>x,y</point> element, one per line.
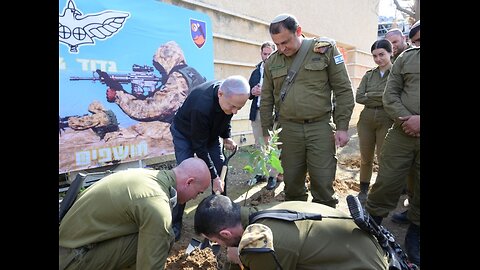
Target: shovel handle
<point>223,174</point>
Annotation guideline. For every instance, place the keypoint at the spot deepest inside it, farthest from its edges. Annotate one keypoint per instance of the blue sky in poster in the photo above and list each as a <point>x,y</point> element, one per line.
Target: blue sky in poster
<point>149,24</point>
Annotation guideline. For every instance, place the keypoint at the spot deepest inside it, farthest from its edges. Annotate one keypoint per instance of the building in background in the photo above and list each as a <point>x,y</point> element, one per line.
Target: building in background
<point>240,27</point>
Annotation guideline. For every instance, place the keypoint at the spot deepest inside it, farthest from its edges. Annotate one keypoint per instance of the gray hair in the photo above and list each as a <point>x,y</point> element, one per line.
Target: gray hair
<point>235,85</point>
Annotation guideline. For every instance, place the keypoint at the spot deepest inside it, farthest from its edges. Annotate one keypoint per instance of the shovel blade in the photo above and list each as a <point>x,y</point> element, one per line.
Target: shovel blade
<point>192,245</point>
<point>213,246</point>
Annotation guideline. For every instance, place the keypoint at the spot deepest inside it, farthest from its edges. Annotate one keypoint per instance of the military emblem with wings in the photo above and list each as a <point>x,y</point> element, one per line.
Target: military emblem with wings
<point>76,29</point>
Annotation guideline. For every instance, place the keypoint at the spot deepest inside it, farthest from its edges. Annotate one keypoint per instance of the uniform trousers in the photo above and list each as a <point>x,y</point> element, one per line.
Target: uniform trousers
<point>400,153</point>
<point>257,130</point>
<point>309,146</point>
<point>372,127</point>
<point>116,253</point>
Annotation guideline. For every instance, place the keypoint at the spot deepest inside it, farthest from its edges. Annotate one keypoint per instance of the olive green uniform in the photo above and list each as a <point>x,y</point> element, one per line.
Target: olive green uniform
<point>373,122</point>
<point>305,116</point>
<point>123,219</point>
<point>412,171</point>
<point>400,152</point>
<point>330,243</point>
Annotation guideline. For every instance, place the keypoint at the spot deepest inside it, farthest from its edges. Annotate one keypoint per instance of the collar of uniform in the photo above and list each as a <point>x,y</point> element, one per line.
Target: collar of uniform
<point>245,213</point>
<point>167,179</point>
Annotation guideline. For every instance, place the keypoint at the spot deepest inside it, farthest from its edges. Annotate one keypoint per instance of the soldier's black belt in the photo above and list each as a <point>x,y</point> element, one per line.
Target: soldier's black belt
<point>306,121</point>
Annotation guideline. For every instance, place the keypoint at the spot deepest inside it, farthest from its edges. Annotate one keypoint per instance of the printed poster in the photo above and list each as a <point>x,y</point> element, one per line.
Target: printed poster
<point>125,67</point>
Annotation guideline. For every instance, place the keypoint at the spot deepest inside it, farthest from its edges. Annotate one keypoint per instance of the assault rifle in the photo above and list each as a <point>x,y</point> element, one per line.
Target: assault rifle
<point>141,79</point>
<point>397,259</point>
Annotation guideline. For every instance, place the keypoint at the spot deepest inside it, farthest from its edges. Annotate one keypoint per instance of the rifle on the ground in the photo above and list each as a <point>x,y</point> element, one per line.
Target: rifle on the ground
<point>397,258</point>
<point>141,79</point>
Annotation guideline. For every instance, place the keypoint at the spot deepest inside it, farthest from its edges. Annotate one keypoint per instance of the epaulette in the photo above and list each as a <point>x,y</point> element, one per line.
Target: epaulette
<point>371,70</point>
<point>322,44</point>
<point>412,48</point>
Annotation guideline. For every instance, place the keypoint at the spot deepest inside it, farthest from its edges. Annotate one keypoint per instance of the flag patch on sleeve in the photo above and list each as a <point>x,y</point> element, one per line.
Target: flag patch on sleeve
<point>338,59</point>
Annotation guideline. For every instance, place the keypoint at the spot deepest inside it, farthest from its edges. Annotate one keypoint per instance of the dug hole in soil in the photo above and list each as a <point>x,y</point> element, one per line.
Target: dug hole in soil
<point>346,182</point>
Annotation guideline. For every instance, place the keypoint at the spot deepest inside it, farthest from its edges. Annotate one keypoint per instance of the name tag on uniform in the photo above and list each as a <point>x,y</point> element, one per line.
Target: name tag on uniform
<point>338,59</point>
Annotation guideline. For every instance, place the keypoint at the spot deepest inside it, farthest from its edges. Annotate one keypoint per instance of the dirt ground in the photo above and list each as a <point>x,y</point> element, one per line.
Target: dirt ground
<point>346,182</point>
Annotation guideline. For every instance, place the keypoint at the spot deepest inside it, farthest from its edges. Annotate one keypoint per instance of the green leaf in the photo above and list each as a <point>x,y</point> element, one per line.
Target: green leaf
<point>248,168</point>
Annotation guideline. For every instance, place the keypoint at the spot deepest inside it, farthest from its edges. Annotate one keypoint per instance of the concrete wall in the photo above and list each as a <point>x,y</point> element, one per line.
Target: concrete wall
<point>240,27</point>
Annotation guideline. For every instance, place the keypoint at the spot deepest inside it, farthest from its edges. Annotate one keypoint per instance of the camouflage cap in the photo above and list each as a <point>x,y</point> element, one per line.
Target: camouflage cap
<point>169,55</point>
<point>96,107</point>
<point>256,237</point>
<point>281,17</point>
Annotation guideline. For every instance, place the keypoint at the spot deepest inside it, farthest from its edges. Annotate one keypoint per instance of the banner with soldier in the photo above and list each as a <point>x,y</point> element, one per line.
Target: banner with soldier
<point>125,67</point>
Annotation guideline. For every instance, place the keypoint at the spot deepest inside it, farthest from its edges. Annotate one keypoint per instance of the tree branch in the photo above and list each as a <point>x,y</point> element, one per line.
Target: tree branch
<point>408,12</point>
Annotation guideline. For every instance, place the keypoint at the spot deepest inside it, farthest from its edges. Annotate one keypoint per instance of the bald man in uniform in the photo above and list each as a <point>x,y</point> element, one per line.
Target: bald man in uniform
<point>310,127</point>
<point>334,242</point>
<point>398,40</point>
<point>125,219</point>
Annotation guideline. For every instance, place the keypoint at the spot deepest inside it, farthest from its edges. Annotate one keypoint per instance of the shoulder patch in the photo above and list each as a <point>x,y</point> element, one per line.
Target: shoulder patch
<point>338,59</point>
<point>322,44</point>
<point>256,237</point>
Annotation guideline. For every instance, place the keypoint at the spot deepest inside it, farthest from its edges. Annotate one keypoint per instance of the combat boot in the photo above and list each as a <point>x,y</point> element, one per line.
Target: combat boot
<point>260,178</point>
<point>401,218</point>
<point>412,244</point>
<point>272,183</point>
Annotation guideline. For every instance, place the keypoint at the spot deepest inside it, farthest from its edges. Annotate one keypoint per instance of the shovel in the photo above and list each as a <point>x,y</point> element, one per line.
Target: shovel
<point>195,243</point>
<point>206,243</point>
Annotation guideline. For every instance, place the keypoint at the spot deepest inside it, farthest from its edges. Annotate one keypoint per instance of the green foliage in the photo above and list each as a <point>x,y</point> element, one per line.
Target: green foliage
<point>268,156</point>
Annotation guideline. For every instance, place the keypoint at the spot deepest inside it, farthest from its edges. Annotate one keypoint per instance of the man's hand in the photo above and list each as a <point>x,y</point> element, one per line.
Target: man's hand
<point>218,185</point>
<point>229,144</point>
<point>257,90</point>
<point>111,94</point>
<point>411,125</point>
<point>341,138</point>
<point>109,81</point>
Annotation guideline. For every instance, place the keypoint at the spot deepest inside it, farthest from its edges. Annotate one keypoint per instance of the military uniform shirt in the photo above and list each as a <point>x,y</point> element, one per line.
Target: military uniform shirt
<point>310,96</point>
<point>402,91</point>
<point>120,204</point>
<point>370,90</point>
<point>308,244</point>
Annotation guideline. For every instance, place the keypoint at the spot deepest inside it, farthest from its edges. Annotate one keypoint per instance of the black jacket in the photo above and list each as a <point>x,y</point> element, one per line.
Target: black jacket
<point>254,80</point>
<point>202,121</point>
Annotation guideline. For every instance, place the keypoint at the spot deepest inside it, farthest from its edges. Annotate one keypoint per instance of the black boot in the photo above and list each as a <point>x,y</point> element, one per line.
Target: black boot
<point>412,244</point>
<point>260,178</point>
<point>401,218</point>
<point>272,183</point>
